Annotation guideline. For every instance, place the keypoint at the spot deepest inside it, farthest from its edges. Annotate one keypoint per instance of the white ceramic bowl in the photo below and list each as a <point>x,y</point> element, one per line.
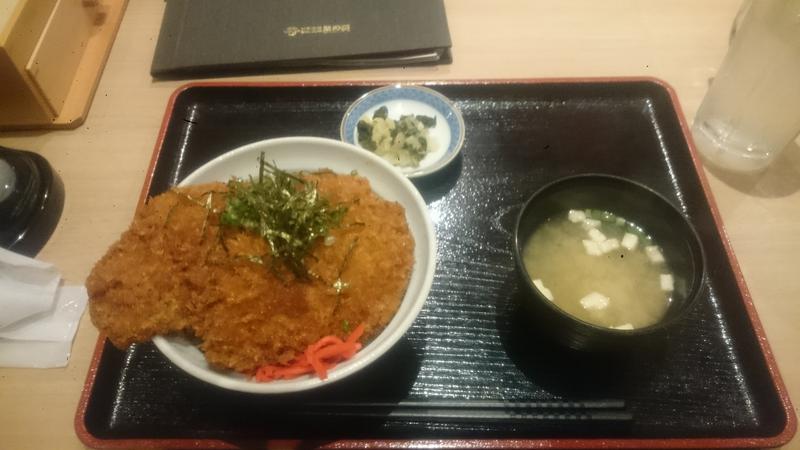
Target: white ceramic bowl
<point>309,153</point>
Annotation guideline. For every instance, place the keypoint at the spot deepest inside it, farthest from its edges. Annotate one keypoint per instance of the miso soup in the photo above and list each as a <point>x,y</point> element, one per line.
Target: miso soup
<point>601,268</point>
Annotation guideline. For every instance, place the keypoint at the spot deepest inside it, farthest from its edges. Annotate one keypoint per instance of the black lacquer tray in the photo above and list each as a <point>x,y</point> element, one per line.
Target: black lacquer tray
<point>711,382</point>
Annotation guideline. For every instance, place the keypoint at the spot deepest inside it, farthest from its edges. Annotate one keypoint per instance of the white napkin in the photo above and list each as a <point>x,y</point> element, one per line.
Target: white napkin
<point>38,317</point>
<point>27,287</point>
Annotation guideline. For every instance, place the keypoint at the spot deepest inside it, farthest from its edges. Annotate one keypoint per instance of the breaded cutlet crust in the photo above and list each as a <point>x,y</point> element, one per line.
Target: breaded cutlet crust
<point>177,270</point>
<point>143,285</point>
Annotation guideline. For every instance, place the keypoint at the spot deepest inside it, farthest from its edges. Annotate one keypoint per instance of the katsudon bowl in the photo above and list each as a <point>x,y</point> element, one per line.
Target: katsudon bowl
<point>309,154</point>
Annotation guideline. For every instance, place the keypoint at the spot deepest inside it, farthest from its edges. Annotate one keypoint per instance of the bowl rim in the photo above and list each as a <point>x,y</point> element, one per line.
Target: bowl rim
<point>442,162</point>
<point>691,298</point>
<point>369,353</point>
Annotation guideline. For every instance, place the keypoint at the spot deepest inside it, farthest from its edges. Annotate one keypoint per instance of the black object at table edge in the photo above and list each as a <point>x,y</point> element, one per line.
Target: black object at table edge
<point>34,212</point>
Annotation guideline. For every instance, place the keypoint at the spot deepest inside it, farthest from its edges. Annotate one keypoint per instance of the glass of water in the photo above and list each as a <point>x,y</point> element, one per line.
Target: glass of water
<point>752,109</point>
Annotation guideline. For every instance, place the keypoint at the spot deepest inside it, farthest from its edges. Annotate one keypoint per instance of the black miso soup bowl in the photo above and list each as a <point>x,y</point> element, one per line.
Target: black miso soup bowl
<point>655,214</point>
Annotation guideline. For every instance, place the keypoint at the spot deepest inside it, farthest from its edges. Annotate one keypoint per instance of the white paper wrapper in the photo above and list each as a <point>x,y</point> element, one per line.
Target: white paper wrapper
<point>59,323</point>
<point>38,317</point>
<point>27,287</point>
<point>34,354</point>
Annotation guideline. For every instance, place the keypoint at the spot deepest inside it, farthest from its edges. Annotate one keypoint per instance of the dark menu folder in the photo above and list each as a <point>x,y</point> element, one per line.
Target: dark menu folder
<point>229,36</point>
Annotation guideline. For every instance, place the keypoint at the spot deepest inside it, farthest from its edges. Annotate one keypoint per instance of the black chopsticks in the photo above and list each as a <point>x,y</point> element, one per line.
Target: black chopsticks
<point>483,404</point>
<point>609,410</point>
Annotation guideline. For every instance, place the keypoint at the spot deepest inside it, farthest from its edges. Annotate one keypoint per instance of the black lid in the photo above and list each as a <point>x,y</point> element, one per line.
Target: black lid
<point>31,201</point>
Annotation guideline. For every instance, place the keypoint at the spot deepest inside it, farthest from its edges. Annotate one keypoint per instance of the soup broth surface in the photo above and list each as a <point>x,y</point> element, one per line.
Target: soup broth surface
<point>600,268</point>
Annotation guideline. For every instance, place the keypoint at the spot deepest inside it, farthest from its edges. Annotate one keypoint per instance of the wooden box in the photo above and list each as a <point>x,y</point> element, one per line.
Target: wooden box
<point>51,55</point>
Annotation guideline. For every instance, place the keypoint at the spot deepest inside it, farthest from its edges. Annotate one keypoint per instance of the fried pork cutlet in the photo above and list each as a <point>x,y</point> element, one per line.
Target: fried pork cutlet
<point>177,269</point>
<point>149,281</point>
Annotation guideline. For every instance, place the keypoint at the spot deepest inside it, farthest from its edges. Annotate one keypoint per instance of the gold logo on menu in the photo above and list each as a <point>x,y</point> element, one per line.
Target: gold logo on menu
<point>317,29</point>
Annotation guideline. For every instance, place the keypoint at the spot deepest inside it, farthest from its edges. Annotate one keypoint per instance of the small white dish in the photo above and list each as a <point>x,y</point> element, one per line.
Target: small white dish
<point>309,153</point>
<point>446,138</point>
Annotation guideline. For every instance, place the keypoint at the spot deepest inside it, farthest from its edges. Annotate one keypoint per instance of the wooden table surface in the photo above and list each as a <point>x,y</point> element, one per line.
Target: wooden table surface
<point>103,162</point>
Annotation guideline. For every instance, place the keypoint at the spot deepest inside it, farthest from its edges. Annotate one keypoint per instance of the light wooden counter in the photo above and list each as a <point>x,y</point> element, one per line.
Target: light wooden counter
<point>103,162</point>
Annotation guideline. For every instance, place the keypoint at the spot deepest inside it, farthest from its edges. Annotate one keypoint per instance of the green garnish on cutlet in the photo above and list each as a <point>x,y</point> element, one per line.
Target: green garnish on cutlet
<point>284,209</point>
